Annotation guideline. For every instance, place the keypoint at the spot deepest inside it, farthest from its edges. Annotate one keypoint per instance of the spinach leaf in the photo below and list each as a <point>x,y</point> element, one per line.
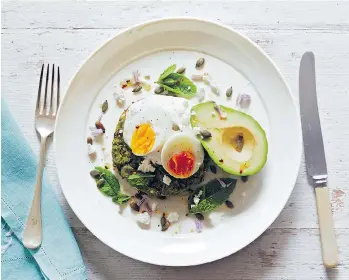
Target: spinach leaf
<point>179,84</point>
<point>140,179</point>
<point>111,186</point>
<point>167,72</point>
<point>211,195</point>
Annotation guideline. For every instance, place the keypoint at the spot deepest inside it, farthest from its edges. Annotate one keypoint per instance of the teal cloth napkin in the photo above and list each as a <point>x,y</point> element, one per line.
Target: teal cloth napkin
<point>59,255</point>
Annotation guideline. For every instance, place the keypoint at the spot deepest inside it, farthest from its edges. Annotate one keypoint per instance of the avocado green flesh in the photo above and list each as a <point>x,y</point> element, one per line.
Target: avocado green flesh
<point>222,147</point>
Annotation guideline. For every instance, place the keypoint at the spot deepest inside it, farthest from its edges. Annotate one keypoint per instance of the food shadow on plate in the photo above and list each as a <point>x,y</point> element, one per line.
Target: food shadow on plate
<point>243,196</point>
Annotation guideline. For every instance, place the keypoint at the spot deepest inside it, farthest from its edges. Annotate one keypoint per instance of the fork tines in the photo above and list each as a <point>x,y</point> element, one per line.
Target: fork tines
<point>51,109</point>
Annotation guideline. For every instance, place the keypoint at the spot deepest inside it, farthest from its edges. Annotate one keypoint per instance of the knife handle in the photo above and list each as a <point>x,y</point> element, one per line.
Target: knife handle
<point>327,234</point>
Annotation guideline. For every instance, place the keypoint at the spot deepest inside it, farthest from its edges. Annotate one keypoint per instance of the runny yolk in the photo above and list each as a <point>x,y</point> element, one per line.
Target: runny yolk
<point>143,139</point>
<point>182,164</point>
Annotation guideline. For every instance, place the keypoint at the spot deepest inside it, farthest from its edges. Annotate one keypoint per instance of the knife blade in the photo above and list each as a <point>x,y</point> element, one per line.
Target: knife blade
<point>315,157</point>
<point>312,135</point>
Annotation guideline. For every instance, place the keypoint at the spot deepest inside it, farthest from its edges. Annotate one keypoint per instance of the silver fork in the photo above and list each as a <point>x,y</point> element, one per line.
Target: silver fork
<point>45,118</point>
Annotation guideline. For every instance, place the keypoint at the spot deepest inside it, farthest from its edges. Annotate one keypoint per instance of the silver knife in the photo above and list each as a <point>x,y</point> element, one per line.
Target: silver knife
<point>315,157</point>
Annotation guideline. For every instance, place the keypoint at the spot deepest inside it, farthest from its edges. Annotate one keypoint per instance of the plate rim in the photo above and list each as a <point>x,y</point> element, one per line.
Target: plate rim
<point>282,79</point>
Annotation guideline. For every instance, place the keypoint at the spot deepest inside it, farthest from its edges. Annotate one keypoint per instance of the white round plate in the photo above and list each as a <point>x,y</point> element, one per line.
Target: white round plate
<point>231,60</point>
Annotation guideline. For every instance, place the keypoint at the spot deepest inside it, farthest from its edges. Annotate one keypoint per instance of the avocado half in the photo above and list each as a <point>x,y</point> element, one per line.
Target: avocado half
<point>238,143</point>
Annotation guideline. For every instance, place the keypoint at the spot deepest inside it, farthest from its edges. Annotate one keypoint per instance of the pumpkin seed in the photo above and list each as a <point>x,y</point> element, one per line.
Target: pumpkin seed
<point>163,221</point>
<point>199,216</point>
<point>213,169</point>
<point>229,92</point>
<point>205,133</point>
<point>105,106</point>
<point>89,140</point>
<point>239,142</point>
<point>159,90</point>
<point>175,127</point>
<point>181,70</point>
<point>244,179</point>
<point>137,88</point>
<point>134,206</point>
<point>95,173</point>
<point>200,62</point>
<point>100,183</point>
<point>165,226</point>
<point>229,204</point>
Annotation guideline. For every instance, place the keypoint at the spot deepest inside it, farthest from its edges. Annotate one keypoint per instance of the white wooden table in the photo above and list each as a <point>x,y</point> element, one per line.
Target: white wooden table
<point>66,33</point>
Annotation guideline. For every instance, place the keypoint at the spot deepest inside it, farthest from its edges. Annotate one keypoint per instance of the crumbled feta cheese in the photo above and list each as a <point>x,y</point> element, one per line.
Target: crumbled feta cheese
<point>197,198</point>
<point>95,131</point>
<point>144,218</point>
<point>173,217</point>
<point>91,149</point>
<point>207,78</point>
<point>146,166</point>
<point>154,157</point>
<point>120,98</point>
<point>193,113</point>
<point>192,205</point>
<point>214,87</point>
<point>121,131</point>
<point>153,206</point>
<point>166,180</point>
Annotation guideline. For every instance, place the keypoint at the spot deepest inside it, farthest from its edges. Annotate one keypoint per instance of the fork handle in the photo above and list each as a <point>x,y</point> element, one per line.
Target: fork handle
<point>327,234</point>
<point>32,236</point>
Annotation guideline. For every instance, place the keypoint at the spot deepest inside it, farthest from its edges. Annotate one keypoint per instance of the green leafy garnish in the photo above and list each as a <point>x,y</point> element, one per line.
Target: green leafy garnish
<point>140,179</point>
<point>177,83</point>
<point>110,178</point>
<point>211,195</point>
<point>111,186</point>
<point>107,190</point>
<point>121,198</point>
<point>167,72</point>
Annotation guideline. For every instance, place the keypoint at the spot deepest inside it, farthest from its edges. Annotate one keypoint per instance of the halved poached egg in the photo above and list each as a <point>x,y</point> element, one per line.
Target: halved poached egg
<point>182,155</point>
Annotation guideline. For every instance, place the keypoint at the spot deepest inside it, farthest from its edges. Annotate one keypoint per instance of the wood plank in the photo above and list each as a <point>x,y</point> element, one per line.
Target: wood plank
<point>277,254</point>
<point>120,14</point>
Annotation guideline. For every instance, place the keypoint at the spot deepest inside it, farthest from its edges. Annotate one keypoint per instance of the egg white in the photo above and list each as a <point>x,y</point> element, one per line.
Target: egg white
<point>159,120</point>
<point>161,112</point>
